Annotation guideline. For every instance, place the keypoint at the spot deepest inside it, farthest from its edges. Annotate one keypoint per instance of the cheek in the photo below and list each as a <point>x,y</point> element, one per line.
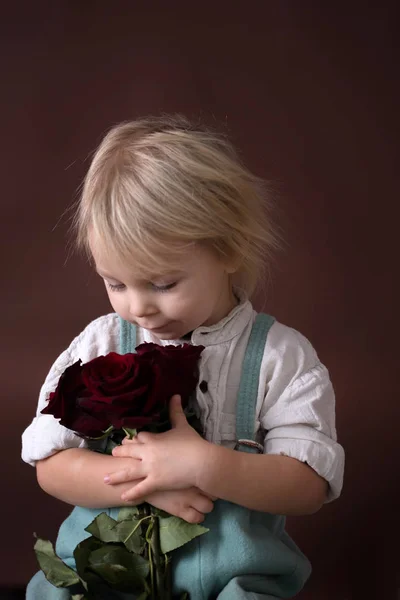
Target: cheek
<point>193,309</point>
<point>178,307</point>
<point>110,296</point>
<point>116,302</point>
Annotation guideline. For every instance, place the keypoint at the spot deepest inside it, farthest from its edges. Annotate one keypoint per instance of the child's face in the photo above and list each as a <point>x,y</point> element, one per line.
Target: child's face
<point>196,292</point>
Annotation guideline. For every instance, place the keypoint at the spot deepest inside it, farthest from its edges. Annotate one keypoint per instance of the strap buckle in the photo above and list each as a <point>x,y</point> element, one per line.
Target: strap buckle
<point>250,444</point>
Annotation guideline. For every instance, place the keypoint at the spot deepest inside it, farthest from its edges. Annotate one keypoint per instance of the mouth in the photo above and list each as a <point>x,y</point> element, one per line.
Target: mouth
<point>157,329</point>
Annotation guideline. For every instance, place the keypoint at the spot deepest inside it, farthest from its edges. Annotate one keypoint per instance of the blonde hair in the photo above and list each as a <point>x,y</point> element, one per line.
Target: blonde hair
<point>158,185</point>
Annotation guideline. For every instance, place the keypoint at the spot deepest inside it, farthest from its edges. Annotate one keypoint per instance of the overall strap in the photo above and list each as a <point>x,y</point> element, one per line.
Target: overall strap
<point>127,337</point>
<point>249,382</point>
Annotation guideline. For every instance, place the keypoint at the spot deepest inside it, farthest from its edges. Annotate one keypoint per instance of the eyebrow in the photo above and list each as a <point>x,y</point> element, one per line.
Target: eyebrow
<point>149,277</point>
<point>103,273</point>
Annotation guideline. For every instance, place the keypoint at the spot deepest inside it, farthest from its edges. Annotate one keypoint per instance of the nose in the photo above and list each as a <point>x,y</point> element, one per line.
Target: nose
<point>140,305</point>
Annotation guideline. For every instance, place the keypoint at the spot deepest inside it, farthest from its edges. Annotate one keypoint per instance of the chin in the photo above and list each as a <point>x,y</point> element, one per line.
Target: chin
<point>166,336</point>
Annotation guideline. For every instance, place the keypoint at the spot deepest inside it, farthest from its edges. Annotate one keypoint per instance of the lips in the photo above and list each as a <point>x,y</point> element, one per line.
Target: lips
<point>157,328</point>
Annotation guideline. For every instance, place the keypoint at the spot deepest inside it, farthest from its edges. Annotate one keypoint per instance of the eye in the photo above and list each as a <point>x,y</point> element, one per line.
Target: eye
<point>164,288</point>
<point>115,287</point>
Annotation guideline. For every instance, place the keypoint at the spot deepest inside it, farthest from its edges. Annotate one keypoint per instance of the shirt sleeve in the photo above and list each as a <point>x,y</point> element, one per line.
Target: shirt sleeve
<point>45,436</point>
<point>298,412</point>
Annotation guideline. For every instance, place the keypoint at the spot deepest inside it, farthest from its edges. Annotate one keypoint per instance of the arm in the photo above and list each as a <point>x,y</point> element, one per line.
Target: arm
<point>266,482</point>
<point>269,483</point>
<point>76,476</point>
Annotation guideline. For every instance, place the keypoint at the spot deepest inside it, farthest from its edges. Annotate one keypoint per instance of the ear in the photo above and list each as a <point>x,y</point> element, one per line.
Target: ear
<point>232,264</point>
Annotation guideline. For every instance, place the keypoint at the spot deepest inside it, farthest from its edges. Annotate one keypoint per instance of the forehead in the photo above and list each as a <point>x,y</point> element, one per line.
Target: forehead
<point>138,265</point>
<point>122,268</point>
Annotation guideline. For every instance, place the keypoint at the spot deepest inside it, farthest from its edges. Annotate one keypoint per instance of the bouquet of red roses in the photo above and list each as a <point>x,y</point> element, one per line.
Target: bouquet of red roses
<point>103,401</point>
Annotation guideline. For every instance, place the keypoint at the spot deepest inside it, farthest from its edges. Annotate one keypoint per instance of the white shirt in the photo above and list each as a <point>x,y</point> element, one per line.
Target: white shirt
<point>295,411</point>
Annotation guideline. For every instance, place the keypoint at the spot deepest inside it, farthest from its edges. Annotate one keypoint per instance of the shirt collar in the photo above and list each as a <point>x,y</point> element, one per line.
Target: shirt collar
<point>229,327</point>
<point>225,330</point>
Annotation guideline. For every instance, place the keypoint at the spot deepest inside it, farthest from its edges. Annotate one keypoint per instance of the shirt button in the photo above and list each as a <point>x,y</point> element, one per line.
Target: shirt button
<point>203,386</point>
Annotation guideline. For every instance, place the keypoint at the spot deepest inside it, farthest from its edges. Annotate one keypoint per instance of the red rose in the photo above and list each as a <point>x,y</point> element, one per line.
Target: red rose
<point>171,362</point>
<point>63,404</point>
<point>129,390</point>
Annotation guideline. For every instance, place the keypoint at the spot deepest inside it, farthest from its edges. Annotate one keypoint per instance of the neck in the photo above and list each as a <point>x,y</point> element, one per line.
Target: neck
<point>227,302</point>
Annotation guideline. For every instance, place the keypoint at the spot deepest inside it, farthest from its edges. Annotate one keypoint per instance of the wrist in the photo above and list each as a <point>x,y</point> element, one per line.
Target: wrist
<point>216,461</point>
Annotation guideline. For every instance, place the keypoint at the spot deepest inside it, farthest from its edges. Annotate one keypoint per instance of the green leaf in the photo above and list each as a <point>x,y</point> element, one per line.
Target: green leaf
<point>159,513</point>
<point>105,434</point>
<point>130,534</point>
<point>82,553</point>
<point>175,532</point>
<point>131,433</point>
<point>127,512</point>
<point>111,444</point>
<point>102,528</point>
<point>127,532</point>
<point>55,570</point>
<point>120,568</point>
<point>78,597</point>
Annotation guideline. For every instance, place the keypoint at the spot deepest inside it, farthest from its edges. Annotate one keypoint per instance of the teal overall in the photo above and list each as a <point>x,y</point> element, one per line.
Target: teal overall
<point>246,554</point>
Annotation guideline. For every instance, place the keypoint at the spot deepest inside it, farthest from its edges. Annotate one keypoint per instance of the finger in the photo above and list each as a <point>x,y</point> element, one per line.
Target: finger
<point>213,498</point>
<point>191,515</point>
<point>141,490</point>
<point>202,504</point>
<point>128,440</point>
<point>125,475</point>
<point>176,414</point>
<point>144,437</point>
<point>127,451</point>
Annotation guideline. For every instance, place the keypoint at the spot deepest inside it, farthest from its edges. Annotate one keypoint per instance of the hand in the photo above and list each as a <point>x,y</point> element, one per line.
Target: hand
<point>165,461</point>
<point>190,504</point>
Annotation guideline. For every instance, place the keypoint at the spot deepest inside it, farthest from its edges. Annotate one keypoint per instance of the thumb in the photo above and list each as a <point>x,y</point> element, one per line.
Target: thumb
<point>176,414</point>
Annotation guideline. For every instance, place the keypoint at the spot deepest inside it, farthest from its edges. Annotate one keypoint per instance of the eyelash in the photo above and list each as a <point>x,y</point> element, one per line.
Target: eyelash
<point>119,287</point>
<point>115,288</point>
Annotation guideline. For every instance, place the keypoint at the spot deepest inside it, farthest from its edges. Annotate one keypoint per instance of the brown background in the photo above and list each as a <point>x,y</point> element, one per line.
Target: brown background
<point>310,95</point>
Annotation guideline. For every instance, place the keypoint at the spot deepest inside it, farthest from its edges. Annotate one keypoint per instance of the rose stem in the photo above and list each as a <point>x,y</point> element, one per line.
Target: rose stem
<point>168,577</point>
<point>156,553</point>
